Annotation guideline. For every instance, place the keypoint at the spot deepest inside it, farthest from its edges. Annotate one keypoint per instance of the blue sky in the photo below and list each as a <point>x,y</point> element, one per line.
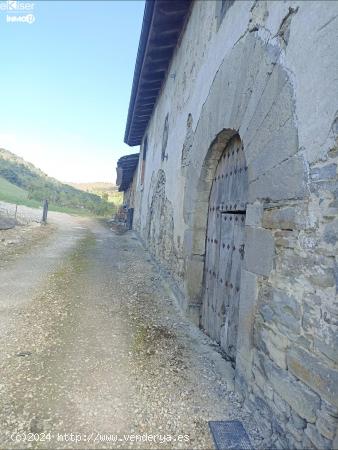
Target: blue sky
<point>65,83</point>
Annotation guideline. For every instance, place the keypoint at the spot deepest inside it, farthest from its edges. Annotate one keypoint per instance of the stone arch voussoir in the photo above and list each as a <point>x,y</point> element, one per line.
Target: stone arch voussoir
<point>251,96</point>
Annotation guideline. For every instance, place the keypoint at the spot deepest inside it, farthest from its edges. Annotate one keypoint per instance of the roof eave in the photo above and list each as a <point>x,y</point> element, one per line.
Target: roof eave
<point>163,22</point>
<point>147,19</point>
<point>126,167</point>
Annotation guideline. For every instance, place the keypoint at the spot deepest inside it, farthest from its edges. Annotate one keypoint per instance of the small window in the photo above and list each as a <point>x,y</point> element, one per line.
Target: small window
<point>164,155</point>
<point>144,157</point>
<point>222,8</point>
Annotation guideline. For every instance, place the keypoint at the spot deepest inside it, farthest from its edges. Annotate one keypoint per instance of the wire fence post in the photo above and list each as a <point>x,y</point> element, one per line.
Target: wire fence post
<point>16,212</point>
<point>45,212</point>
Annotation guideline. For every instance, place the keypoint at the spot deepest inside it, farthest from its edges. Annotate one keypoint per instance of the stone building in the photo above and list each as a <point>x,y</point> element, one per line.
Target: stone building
<point>235,107</point>
<point>125,180</point>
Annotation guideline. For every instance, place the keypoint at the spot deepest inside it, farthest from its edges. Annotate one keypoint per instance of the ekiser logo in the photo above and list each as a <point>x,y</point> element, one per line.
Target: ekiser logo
<point>13,5</point>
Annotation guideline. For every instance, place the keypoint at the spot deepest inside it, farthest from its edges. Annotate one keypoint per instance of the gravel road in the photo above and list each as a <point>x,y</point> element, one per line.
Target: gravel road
<point>94,352</point>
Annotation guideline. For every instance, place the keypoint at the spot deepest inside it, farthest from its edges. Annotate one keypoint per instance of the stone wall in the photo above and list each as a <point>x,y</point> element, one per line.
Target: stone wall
<point>160,229</point>
<point>268,72</point>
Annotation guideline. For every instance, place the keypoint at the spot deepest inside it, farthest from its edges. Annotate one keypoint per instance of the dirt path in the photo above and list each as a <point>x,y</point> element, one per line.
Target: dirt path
<point>95,354</point>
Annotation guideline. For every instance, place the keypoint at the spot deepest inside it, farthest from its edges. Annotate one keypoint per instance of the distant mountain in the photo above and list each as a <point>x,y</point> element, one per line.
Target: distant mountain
<point>40,186</point>
<point>97,186</point>
<point>107,191</point>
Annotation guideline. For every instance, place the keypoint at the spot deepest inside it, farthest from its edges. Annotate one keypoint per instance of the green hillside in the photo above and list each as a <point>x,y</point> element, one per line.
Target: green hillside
<point>10,192</point>
<point>13,194</point>
<point>21,182</point>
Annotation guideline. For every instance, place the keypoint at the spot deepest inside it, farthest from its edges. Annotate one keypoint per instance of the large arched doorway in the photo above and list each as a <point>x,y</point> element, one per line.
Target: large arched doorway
<point>225,248</point>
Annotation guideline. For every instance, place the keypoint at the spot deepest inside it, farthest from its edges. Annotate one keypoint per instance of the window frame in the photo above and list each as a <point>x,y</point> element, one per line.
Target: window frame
<point>143,161</point>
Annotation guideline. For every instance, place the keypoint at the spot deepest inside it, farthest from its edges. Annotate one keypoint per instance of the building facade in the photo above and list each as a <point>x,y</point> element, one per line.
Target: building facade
<point>235,108</point>
<point>126,182</point>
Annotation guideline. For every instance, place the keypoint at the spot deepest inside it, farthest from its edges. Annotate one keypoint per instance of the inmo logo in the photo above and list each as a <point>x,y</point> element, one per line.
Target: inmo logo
<point>29,18</point>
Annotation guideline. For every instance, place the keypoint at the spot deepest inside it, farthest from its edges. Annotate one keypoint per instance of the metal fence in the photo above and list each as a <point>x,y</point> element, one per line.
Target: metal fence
<point>22,214</point>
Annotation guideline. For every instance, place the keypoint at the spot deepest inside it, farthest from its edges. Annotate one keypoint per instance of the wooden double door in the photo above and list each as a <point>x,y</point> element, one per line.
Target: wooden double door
<point>225,248</point>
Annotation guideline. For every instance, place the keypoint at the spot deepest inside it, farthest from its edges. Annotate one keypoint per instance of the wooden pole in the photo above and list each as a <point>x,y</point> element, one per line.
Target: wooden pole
<point>45,212</point>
